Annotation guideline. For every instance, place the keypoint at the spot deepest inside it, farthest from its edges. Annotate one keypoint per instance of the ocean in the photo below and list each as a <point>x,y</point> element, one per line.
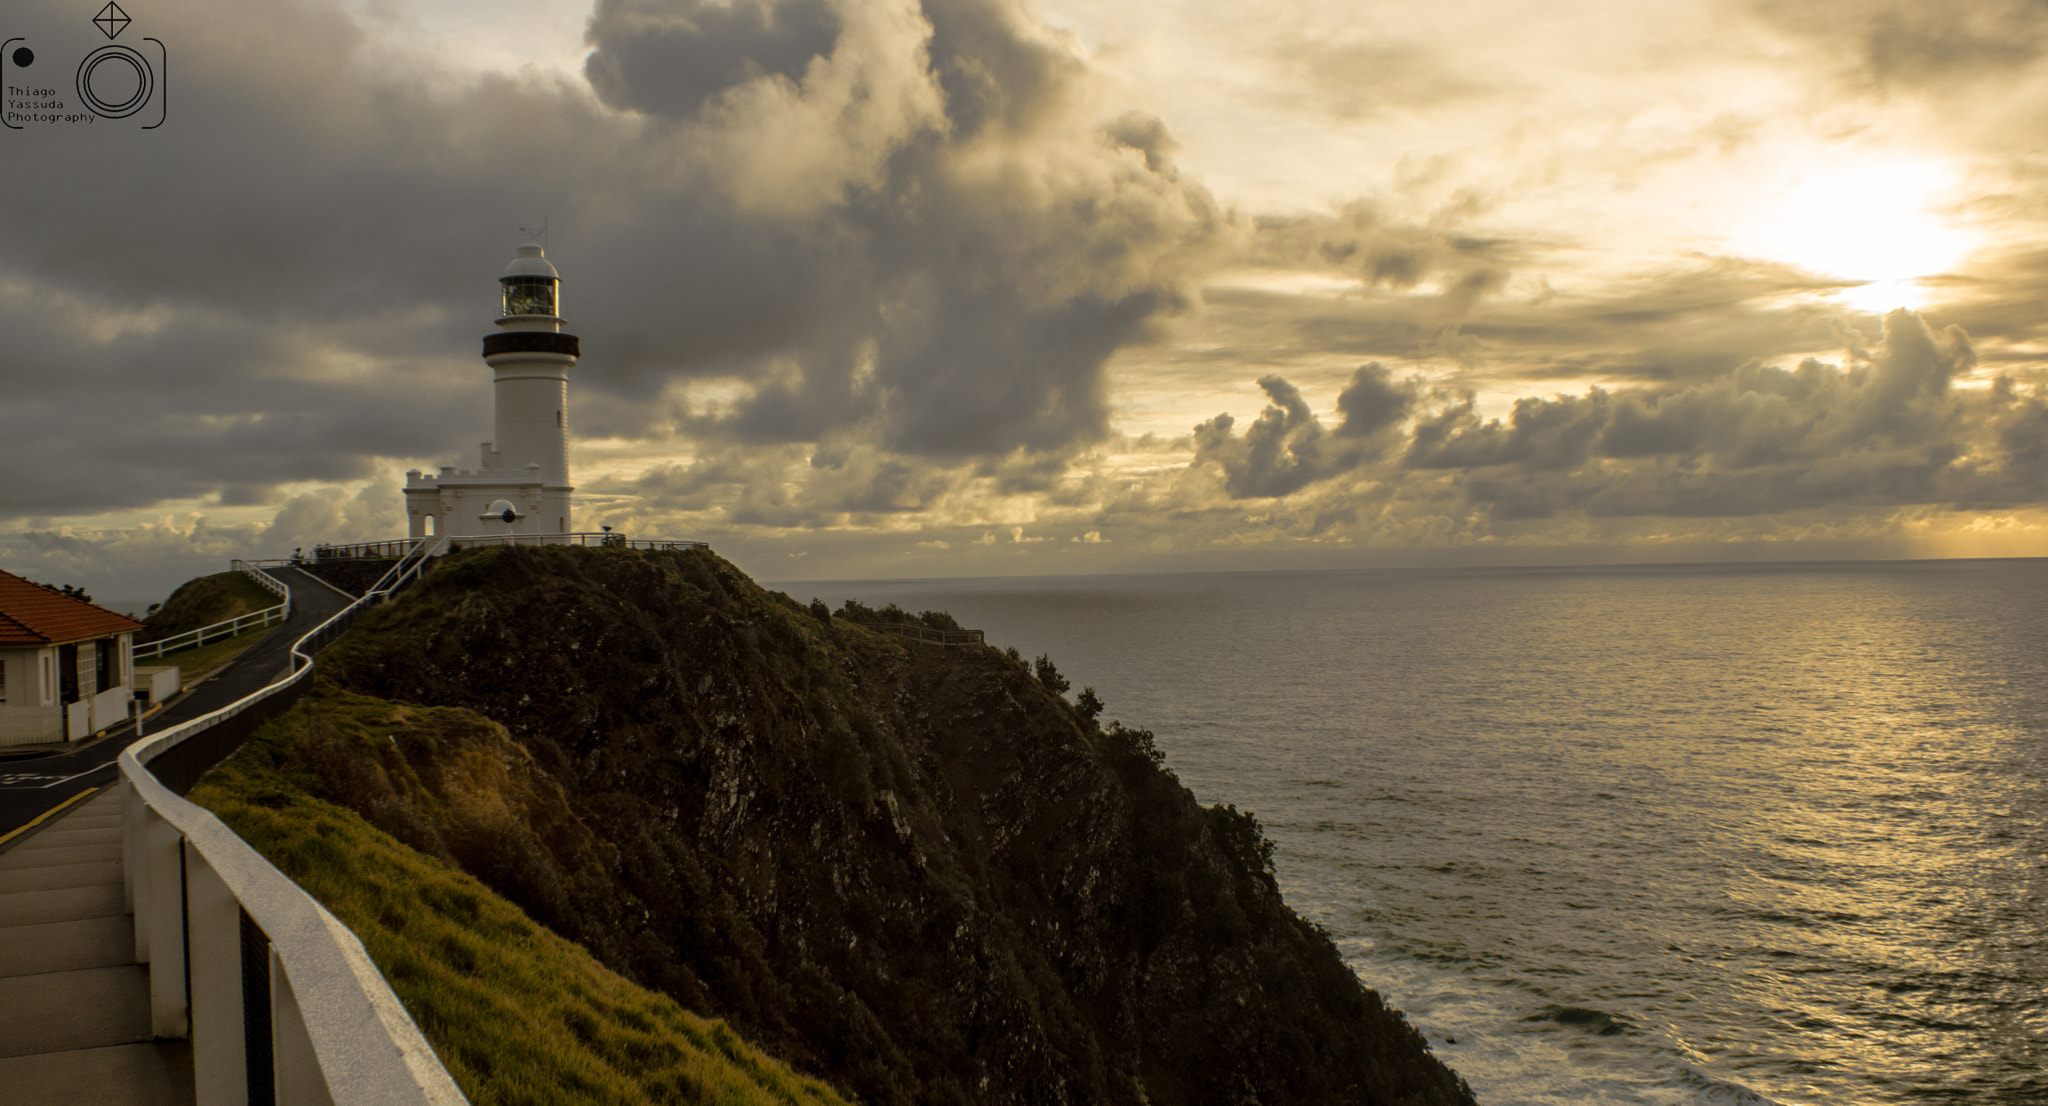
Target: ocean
<point>1761,833</point>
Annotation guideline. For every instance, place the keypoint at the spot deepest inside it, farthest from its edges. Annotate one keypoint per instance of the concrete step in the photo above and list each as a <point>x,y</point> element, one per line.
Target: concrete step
<point>62,1011</point>
<point>62,904</point>
<point>103,942</point>
<point>68,835</point>
<point>31,855</point>
<point>157,1073</point>
<point>91,874</point>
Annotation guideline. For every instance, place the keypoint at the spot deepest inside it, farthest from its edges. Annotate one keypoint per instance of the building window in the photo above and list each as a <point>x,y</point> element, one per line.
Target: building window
<point>3,683</point>
<point>103,664</point>
<point>561,421</point>
<point>46,677</point>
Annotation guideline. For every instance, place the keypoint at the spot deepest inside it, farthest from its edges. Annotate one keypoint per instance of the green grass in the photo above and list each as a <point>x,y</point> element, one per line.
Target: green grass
<point>205,600</point>
<point>240,587</point>
<point>518,1014</point>
<point>206,659</point>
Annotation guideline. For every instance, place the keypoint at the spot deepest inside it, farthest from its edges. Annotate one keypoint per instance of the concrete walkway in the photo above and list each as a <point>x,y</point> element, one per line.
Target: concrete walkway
<point>74,1005</point>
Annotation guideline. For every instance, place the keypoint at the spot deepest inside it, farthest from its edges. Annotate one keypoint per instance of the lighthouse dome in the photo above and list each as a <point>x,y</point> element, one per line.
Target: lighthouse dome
<point>532,261</point>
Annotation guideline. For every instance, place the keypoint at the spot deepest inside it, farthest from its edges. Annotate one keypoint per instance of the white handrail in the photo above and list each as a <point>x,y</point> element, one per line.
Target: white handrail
<point>335,1033</point>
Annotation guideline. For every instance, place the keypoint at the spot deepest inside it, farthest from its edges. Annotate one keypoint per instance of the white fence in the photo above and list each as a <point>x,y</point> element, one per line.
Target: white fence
<point>30,725</point>
<point>192,639</point>
<point>110,707</point>
<point>278,997</point>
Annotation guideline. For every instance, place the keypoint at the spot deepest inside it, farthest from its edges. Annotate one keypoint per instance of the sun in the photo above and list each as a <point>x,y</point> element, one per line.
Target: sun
<point>1881,226</point>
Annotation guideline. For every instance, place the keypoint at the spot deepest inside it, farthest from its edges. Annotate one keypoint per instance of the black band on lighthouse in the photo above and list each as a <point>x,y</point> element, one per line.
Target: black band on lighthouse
<point>531,341</point>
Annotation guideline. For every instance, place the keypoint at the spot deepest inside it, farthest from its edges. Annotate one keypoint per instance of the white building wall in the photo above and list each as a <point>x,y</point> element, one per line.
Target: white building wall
<point>533,418</point>
<point>30,715</point>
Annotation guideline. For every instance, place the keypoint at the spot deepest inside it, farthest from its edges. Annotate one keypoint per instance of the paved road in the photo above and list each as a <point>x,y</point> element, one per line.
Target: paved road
<point>31,787</point>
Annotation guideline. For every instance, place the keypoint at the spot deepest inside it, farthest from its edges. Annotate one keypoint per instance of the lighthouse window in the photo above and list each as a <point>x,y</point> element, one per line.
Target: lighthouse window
<point>560,421</point>
<point>530,295</point>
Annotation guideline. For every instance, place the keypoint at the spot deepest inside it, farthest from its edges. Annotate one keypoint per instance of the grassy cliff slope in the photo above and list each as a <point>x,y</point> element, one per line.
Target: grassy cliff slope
<point>915,872</point>
<point>203,601</point>
<point>518,1014</point>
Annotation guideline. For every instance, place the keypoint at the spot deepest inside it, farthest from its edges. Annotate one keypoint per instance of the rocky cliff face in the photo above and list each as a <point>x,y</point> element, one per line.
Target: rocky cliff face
<point>916,872</point>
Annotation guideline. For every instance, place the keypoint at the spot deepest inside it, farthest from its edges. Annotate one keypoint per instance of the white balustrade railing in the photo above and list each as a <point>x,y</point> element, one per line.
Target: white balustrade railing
<point>280,1000</point>
<point>378,550</point>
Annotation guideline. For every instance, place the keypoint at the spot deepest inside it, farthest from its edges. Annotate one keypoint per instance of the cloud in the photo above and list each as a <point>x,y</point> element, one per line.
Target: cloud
<point>938,242</point>
<point>1886,428</point>
<point>902,225</point>
<point>670,59</point>
<point>1354,78</point>
<point>1900,43</point>
<point>1286,448</point>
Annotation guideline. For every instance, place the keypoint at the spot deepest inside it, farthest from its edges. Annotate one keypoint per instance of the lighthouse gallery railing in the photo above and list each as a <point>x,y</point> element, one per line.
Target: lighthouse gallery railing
<point>280,1000</point>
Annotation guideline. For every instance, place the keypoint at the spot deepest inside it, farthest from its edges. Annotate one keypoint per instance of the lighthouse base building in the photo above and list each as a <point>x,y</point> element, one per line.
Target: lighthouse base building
<point>520,489</point>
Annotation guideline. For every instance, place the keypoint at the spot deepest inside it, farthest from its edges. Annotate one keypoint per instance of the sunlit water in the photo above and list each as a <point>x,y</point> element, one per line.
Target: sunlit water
<point>1662,835</point>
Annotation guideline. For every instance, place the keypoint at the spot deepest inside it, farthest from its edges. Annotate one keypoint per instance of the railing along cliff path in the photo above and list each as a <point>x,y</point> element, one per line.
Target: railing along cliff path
<point>280,1000</point>
<point>231,626</point>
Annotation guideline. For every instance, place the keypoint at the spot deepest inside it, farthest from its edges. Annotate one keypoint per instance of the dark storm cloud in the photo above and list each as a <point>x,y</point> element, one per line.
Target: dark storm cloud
<point>1286,448</point>
<point>1373,402</point>
<point>893,222</point>
<point>1280,452</point>
<point>961,297</point>
<point>1885,428</point>
<point>670,58</point>
<point>172,405</point>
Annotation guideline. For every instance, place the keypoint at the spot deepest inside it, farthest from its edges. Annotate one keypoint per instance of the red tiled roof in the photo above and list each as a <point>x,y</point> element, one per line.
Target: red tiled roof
<point>31,614</point>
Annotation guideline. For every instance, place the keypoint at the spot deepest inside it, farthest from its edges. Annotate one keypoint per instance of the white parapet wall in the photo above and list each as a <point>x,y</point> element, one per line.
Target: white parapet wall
<point>157,683</point>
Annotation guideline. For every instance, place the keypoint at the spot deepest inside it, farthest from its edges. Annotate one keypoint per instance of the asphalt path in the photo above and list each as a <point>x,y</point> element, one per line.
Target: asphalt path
<point>31,787</point>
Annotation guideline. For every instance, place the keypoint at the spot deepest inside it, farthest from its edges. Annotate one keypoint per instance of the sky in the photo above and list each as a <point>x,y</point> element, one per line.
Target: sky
<point>913,288</point>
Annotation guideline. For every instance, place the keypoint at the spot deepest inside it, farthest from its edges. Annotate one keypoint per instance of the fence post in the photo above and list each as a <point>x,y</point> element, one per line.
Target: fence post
<point>220,1067</point>
<point>297,1066</point>
<point>164,898</point>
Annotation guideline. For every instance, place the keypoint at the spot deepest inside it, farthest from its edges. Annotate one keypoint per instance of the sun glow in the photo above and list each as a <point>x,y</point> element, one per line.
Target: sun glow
<point>1881,226</point>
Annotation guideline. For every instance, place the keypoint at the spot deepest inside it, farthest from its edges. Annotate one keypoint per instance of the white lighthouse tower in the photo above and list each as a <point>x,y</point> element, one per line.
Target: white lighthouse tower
<point>520,489</point>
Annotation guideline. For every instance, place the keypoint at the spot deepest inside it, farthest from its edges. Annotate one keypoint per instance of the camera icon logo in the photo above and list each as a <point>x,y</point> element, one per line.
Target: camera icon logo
<point>113,80</point>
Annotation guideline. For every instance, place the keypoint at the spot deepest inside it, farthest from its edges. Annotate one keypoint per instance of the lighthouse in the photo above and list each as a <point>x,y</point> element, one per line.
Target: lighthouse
<point>520,489</point>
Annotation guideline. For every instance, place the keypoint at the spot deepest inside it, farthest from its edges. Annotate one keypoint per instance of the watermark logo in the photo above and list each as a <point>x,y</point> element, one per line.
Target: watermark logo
<point>113,81</point>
